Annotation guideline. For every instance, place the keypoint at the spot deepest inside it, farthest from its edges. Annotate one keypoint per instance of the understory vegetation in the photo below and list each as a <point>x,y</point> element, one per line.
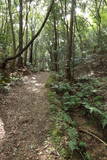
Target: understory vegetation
<point>68,40</point>
<point>83,98</point>
<point>8,80</point>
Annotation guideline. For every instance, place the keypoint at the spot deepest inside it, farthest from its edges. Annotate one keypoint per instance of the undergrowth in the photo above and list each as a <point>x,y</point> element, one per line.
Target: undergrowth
<point>7,80</point>
<point>64,99</point>
<point>83,95</point>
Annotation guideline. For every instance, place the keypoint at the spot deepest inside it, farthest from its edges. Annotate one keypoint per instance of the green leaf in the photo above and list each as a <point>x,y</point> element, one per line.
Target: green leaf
<point>82,144</point>
<point>72,132</point>
<point>73,145</point>
<point>104,123</point>
<point>104,119</point>
<point>67,118</point>
<point>94,109</point>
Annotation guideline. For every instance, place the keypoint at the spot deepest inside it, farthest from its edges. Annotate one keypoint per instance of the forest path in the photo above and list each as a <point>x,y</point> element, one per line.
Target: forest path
<point>24,120</point>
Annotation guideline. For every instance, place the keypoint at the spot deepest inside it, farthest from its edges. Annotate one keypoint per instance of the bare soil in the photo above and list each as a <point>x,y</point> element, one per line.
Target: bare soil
<point>25,121</point>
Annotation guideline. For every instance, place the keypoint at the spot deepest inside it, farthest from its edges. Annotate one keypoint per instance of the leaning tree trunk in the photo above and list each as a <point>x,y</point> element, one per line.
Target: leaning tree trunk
<point>3,65</point>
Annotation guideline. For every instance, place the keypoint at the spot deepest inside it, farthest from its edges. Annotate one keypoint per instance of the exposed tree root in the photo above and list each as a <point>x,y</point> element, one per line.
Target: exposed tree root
<point>93,135</point>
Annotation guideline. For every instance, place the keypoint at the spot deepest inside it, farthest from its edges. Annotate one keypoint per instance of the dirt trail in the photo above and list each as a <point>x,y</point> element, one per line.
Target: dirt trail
<point>24,119</point>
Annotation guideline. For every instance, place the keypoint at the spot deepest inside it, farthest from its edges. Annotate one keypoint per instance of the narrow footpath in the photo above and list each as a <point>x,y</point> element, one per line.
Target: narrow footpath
<point>24,121</point>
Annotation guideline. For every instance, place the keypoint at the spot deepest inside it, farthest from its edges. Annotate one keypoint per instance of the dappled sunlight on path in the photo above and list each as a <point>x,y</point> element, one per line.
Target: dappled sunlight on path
<point>36,85</point>
<point>24,122</point>
<point>2,131</point>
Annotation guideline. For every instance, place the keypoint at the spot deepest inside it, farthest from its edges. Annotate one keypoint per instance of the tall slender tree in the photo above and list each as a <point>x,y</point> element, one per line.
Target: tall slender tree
<point>12,28</point>
<point>70,42</point>
<point>20,59</point>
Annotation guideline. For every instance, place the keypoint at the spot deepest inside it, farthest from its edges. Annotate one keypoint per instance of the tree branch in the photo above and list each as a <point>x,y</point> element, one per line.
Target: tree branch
<point>32,40</point>
<point>93,135</point>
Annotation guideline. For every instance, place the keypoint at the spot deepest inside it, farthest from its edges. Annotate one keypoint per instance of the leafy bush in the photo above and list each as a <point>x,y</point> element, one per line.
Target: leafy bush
<point>82,94</point>
<point>85,95</point>
<point>70,101</point>
<point>61,87</point>
<point>73,138</point>
<point>61,129</point>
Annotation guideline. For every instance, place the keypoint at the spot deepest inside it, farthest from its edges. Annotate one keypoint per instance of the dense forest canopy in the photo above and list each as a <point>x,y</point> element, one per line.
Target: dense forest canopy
<point>73,30</point>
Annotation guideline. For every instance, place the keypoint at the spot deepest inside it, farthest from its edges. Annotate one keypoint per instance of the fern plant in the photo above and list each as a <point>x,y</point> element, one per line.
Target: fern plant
<point>61,87</point>
<point>104,119</point>
<point>73,138</point>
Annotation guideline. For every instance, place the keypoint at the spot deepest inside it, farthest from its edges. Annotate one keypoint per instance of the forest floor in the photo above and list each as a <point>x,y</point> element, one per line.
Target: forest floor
<point>25,121</point>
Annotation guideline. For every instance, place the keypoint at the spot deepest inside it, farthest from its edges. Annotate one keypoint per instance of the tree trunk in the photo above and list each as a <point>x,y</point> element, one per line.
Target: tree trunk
<point>12,28</point>
<point>51,64</point>
<point>31,54</point>
<point>31,41</point>
<point>20,61</point>
<point>70,43</point>
<point>20,25</point>
<point>55,44</point>
<point>31,47</point>
<point>26,52</point>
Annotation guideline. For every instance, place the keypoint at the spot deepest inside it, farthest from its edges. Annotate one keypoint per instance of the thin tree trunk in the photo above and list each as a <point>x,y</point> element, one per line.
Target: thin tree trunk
<point>52,66</point>
<point>32,40</point>
<point>31,54</point>
<point>55,45</point>
<point>2,21</point>
<point>26,52</point>
<point>12,28</point>
<point>70,45</point>
<point>20,60</point>
<point>20,25</point>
